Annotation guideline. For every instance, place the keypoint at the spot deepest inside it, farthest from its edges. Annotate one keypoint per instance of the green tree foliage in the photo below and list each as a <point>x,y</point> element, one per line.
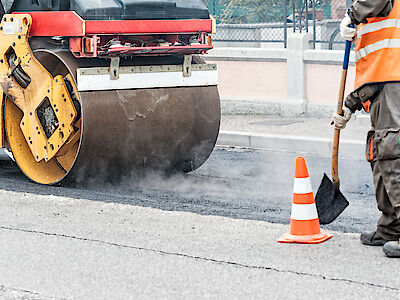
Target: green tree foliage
<point>260,11</point>
<point>246,11</point>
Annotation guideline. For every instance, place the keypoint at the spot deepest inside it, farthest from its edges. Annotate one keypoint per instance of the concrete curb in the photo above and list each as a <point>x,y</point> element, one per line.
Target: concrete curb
<point>288,143</point>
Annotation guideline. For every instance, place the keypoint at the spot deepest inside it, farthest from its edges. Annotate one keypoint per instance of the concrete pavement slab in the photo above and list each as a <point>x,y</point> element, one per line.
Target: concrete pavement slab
<point>72,248</point>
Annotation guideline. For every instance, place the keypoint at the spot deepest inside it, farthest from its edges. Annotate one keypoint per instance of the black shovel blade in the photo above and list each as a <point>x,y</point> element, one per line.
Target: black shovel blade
<point>330,201</point>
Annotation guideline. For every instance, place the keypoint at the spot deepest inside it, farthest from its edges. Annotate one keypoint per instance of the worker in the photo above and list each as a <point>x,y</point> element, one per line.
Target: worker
<point>377,83</point>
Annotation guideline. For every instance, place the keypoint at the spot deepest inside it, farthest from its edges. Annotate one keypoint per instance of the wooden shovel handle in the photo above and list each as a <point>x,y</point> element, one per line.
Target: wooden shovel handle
<point>339,110</point>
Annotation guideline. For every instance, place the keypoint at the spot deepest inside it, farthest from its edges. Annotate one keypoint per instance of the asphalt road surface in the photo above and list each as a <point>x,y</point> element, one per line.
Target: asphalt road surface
<point>208,234</point>
<point>245,184</point>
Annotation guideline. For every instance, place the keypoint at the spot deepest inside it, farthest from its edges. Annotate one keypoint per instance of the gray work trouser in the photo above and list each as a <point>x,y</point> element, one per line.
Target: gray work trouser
<point>383,151</point>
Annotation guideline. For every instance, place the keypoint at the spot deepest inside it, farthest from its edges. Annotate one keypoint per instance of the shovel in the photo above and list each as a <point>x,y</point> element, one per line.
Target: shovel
<point>329,200</point>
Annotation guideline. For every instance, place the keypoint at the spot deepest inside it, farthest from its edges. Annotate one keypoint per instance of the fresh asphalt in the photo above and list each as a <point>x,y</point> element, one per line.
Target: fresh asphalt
<point>235,183</point>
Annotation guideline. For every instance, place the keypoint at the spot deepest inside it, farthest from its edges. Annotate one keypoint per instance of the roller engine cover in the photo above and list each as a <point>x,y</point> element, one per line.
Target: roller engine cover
<point>35,5</point>
<point>117,9</point>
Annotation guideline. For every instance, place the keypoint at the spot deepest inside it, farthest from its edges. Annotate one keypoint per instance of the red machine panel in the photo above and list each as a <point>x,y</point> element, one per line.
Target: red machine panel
<point>148,26</point>
<point>69,23</point>
<point>56,23</point>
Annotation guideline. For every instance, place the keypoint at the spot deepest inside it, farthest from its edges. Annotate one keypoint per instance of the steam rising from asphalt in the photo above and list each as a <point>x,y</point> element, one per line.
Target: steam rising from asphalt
<point>247,176</point>
<point>230,182</point>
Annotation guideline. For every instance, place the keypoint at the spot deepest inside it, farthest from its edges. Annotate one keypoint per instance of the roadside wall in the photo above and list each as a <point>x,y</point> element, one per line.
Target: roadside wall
<point>292,81</point>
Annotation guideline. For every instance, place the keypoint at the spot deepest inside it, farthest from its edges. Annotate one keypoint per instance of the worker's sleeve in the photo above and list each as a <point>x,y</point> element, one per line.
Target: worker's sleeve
<point>368,92</point>
<point>353,102</point>
<point>360,10</point>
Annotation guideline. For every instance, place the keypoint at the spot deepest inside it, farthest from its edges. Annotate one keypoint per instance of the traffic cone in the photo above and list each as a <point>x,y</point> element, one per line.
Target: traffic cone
<point>304,222</point>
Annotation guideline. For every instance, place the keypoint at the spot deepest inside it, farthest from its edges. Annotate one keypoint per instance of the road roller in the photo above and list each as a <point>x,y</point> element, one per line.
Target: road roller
<point>102,88</point>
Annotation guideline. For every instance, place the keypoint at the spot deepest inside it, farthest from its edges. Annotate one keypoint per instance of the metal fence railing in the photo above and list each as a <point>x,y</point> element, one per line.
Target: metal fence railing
<point>267,22</point>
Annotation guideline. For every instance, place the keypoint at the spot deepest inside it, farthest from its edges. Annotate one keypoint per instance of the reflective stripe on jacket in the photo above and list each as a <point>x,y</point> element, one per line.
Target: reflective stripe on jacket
<point>378,49</point>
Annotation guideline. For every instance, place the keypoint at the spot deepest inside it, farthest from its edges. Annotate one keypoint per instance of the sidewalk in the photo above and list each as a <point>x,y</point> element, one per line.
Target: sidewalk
<point>299,134</point>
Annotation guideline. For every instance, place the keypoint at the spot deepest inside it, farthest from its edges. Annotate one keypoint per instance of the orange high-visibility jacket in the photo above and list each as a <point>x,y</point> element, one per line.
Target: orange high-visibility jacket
<point>378,49</point>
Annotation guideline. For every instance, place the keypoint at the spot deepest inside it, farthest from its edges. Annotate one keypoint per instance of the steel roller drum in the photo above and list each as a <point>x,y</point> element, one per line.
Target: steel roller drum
<point>124,131</point>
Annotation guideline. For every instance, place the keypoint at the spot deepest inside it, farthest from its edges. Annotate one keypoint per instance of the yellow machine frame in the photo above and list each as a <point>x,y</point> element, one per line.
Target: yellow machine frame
<point>14,35</point>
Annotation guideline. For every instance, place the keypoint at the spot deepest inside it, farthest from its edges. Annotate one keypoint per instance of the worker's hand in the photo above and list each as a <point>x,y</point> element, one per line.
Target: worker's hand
<point>346,31</point>
<point>341,121</point>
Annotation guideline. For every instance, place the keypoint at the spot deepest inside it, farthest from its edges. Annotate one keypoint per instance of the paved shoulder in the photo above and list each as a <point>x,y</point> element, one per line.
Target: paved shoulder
<point>68,248</point>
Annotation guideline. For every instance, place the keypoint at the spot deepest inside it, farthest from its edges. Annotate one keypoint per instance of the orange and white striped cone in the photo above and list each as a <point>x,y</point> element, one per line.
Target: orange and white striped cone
<point>304,221</point>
